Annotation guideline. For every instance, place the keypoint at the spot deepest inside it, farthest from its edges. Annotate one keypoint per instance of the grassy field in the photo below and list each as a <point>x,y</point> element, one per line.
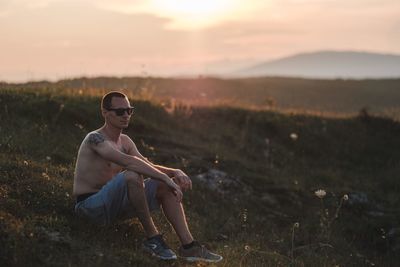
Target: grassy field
<point>271,217</point>
<point>329,97</point>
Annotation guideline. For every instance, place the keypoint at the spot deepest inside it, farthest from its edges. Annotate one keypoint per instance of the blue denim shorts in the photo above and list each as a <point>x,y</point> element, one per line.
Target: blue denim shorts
<point>112,202</point>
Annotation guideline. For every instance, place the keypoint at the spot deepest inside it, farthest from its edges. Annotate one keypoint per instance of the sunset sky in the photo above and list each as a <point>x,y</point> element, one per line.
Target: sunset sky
<point>56,39</point>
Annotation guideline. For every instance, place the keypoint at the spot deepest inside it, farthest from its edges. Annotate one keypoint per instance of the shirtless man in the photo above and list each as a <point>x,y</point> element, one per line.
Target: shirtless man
<point>109,184</point>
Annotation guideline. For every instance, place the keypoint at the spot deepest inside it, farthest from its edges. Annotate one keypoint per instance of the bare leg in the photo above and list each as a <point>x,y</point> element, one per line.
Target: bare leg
<point>174,212</point>
<point>137,197</point>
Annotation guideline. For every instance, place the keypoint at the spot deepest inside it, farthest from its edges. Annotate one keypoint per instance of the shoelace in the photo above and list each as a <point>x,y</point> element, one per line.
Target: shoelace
<point>203,249</point>
<point>160,240</point>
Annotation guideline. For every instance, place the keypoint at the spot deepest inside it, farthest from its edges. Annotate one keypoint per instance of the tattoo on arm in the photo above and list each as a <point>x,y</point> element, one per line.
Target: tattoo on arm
<point>96,138</point>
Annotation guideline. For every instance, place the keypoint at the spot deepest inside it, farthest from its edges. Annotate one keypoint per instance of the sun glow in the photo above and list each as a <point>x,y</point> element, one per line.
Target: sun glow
<point>193,7</point>
<point>195,13</point>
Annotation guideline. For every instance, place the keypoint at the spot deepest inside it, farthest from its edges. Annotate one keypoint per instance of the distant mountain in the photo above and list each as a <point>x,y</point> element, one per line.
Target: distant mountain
<point>329,64</point>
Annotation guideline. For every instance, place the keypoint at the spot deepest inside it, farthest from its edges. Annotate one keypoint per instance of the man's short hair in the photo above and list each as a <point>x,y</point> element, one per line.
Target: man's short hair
<point>106,100</point>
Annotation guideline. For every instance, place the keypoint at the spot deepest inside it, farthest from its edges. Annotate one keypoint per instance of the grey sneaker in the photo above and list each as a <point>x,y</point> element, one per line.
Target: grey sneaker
<point>158,248</point>
<point>199,253</point>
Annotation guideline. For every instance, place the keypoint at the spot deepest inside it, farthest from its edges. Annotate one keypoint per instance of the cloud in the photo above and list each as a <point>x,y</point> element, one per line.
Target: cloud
<point>9,7</point>
<point>182,16</point>
<point>87,36</point>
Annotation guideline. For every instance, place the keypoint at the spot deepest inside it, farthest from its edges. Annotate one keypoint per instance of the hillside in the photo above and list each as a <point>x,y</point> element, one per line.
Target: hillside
<point>320,96</point>
<point>329,65</point>
<point>268,166</point>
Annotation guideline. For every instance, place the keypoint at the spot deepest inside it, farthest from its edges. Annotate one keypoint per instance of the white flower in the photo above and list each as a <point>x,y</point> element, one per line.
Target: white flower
<point>48,158</point>
<point>345,197</point>
<point>247,248</point>
<point>294,136</point>
<point>45,175</point>
<point>320,193</point>
<point>296,225</point>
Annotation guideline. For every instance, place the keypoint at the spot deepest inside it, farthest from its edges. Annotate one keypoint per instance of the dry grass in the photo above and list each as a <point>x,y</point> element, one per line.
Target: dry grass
<point>252,227</point>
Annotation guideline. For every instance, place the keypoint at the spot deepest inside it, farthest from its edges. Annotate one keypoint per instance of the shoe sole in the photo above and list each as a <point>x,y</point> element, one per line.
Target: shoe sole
<point>193,259</point>
<point>158,256</point>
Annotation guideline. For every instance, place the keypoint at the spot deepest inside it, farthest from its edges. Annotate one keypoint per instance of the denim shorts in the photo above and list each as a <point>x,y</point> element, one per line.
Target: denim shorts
<point>112,202</point>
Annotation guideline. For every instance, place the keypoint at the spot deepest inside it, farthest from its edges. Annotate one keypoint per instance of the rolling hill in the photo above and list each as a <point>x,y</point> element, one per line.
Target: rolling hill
<point>380,96</point>
<point>329,64</point>
<point>268,167</point>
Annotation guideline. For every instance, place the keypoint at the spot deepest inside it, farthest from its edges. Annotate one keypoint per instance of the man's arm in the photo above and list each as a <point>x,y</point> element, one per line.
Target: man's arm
<point>104,148</point>
<point>178,175</point>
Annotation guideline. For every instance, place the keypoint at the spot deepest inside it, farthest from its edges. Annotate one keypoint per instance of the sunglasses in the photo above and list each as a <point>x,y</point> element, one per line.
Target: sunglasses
<point>121,111</point>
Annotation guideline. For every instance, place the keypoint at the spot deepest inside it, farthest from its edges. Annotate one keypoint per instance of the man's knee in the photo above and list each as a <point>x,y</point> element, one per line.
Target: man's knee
<point>133,178</point>
<point>163,190</point>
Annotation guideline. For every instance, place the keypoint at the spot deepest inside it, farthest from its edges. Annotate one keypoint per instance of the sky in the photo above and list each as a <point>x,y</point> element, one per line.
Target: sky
<point>57,39</point>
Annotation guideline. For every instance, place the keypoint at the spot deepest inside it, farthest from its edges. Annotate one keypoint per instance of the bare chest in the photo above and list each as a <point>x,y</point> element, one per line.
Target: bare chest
<point>111,166</point>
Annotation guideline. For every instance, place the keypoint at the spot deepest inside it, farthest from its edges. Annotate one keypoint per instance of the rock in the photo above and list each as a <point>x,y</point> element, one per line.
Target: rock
<point>393,236</point>
<point>269,199</point>
<point>221,182</point>
<point>393,232</point>
<point>54,235</point>
<point>358,198</point>
<point>375,213</point>
<point>222,237</point>
<point>360,201</point>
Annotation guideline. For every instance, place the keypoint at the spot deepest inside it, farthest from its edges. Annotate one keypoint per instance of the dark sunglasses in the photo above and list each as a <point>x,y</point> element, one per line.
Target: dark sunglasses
<point>121,111</point>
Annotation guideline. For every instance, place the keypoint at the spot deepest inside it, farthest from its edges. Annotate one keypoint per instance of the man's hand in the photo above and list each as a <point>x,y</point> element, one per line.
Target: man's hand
<point>182,179</point>
<point>176,190</point>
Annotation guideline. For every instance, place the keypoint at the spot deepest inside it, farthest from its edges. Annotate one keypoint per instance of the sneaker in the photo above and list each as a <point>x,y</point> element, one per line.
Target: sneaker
<point>199,253</point>
<point>158,248</point>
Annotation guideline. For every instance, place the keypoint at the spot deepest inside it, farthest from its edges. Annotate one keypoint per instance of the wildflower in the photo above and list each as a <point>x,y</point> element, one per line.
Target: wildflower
<point>296,225</point>
<point>26,163</point>
<point>80,126</point>
<point>247,247</point>
<point>320,193</point>
<point>294,136</point>
<point>45,175</point>
<point>48,158</point>
<point>345,197</point>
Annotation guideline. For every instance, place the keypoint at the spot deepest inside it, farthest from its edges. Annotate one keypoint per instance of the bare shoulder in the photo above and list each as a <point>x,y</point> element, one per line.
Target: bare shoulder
<point>95,138</point>
<point>126,140</point>
<point>127,143</point>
